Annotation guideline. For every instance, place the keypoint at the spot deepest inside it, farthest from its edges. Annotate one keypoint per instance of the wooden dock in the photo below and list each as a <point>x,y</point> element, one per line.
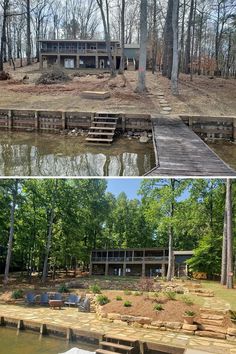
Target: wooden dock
<point>180,152</point>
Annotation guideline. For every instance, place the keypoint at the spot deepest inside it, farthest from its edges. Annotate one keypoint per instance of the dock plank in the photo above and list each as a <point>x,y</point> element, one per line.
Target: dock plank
<point>181,152</point>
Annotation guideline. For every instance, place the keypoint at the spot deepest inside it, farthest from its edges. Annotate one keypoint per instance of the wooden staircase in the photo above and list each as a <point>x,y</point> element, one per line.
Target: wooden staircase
<point>103,128</point>
<point>111,344</point>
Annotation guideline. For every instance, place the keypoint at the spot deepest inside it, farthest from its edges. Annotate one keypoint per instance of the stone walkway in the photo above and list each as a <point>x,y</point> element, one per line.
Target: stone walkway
<point>71,318</point>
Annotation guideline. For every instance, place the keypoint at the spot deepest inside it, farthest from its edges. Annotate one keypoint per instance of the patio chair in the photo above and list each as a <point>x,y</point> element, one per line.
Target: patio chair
<point>44,299</point>
<point>72,300</point>
<point>85,305</point>
<point>57,296</point>
<point>30,299</point>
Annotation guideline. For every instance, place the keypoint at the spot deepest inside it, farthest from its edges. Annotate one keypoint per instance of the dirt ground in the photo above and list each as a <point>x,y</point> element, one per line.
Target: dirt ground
<point>204,95</point>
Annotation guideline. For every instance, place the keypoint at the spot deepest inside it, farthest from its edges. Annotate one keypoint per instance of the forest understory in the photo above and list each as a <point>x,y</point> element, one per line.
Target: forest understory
<point>205,95</point>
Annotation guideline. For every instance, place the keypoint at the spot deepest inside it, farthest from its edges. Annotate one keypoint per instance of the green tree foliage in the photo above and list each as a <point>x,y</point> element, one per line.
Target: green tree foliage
<point>86,216</point>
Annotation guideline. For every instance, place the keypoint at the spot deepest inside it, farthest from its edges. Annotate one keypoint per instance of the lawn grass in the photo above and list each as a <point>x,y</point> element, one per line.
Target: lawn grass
<point>221,292</point>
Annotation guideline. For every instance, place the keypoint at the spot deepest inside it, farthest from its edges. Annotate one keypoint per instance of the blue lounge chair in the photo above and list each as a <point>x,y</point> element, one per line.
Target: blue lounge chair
<point>57,296</point>
<point>44,299</point>
<point>85,305</point>
<point>30,299</point>
<point>72,300</point>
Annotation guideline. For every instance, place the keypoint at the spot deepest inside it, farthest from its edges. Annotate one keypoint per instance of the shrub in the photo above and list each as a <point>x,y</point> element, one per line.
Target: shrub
<point>137,293</point>
<point>95,288</point>
<point>158,307</point>
<point>17,294</point>
<point>102,299</point>
<point>53,76</point>
<point>127,303</point>
<point>156,294</point>
<point>232,315</point>
<point>63,288</point>
<point>171,295</point>
<point>127,292</point>
<point>187,300</point>
<point>118,298</point>
<point>189,313</point>
<point>146,284</point>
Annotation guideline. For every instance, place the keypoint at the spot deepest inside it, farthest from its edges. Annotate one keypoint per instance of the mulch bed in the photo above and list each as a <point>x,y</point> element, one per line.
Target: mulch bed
<point>143,306</point>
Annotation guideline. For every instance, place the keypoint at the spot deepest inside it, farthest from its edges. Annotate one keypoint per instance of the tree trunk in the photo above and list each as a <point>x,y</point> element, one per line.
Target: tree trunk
<point>193,38</point>
<point>224,250</point>
<point>154,39</point>
<point>11,234</point>
<point>3,36</point>
<point>170,271</point>
<point>48,246</point>
<point>141,86</point>
<point>182,37</point>
<point>168,42</point>
<point>175,65</point>
<point>106,25</point>
<point>228,55</point>
<point>200,44</point>
<point>28,39</point>
<point>188,40</point>
<point>122,42</point>
<point>229,282</point>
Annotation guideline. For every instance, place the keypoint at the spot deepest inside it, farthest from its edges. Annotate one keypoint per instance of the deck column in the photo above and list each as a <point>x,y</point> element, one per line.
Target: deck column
<point>143,269</point>
<point>96,61</point>
<point>106,265</point>
<point>59,60</point>
<point>163,270</point>
<point>41,62</point>
<point>124,265</point>
<point>77,61</point>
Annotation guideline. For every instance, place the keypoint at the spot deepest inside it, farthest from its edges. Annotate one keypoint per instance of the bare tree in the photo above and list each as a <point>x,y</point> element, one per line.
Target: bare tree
<point>229,282</point>
<point>168,42</point>
<point>28,36</point>
<point>14,193</point>
<point>104,9</point>
<point>122,42</point>
<point>141,86</point>
<point>175,65</point>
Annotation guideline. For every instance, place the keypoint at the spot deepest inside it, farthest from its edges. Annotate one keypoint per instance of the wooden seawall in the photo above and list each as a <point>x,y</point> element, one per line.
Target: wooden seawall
<point>180,152</point>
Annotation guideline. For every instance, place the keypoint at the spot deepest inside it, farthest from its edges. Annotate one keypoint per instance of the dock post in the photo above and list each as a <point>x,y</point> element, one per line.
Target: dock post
<point>36,120</point>
<point>2,321</point>
<point>10,120</point>
<point>69,334</point>
<point>123,123</point>
<point>234,130</point>
<point>43,329</point>
<point>20,325</point>
<point>63,118</point>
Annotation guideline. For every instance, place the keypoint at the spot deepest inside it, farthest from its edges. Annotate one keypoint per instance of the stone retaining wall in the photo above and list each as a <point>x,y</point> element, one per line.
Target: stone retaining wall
<point>198,329</point>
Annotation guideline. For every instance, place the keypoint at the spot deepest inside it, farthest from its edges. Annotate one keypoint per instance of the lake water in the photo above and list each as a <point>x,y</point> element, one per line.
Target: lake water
<point>226,151</point>
<point>32,343</point>
<point>33,154</point>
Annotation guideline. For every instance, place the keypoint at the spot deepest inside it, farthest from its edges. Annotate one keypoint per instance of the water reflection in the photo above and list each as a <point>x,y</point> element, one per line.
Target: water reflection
<point>31,343</point>
<point>226,151</point>
<point>31,154</point>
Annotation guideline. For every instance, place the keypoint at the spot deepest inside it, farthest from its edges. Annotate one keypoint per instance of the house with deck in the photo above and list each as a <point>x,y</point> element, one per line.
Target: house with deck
<point>147,262</point>
<point>77,54</point>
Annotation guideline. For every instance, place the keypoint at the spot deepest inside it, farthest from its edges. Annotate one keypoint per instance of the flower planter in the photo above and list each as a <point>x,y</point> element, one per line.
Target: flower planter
<point>188,319</point>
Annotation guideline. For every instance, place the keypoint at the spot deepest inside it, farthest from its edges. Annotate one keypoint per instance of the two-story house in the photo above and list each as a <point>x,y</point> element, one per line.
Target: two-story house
<point>137,262</point>
<point>75,54</point>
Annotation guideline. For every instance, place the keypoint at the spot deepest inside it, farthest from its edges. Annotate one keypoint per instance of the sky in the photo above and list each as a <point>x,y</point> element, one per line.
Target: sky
<point>128,185</point>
